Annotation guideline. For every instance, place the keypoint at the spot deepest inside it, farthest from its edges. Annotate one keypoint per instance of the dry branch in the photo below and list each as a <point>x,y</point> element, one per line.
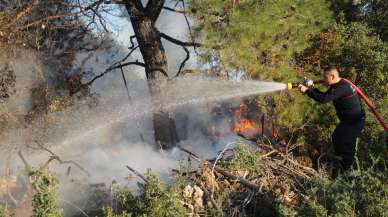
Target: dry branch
<point>56,157</point>
<point>224,172</point>
<point>137,173</point>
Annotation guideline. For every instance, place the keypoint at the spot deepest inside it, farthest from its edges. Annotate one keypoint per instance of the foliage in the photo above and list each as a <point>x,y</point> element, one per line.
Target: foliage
<point>44,201</point>
<point>258,37</point>
<point>245,159</point>
<point>108,212</point>
<point>359,193</point>
<point>373,13</point>
<point>155,199</point>
<point>3,211</point>
<point>358,53</point>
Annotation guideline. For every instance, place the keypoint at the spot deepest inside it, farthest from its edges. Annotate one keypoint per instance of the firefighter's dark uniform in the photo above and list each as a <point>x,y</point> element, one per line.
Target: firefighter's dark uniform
<point>349,109</point>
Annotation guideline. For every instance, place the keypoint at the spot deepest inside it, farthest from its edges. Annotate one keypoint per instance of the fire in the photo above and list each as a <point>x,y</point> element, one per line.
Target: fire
<point>252,128</point>
<point>245,127</point>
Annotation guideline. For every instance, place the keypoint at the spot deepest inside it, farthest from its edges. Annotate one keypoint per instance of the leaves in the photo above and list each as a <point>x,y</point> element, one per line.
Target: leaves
<point>44,201</point>
<point>257,35</point>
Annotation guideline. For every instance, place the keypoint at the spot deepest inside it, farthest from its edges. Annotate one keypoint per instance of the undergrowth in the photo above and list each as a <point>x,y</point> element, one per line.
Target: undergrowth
<point>3,211</point>
<point>44,200</point>
<point>357,193</point>
<point>155,199</point>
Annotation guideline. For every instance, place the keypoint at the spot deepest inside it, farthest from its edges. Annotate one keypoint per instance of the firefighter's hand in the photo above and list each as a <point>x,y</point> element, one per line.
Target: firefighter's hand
<point>302,88</point>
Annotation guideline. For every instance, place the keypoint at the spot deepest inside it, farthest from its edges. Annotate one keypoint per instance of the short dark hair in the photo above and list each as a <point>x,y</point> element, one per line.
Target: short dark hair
<point>329,68</point>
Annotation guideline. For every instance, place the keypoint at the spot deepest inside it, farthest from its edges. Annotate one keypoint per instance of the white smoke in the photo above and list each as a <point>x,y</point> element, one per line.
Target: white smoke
<point>104,138</point>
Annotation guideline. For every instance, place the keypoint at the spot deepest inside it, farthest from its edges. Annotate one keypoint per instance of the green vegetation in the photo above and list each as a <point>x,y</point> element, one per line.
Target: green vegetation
<point>44,201</point>
<point>359,193</point>
<point>258,37</point>
<point>3,211</point>
<point>155,199</point>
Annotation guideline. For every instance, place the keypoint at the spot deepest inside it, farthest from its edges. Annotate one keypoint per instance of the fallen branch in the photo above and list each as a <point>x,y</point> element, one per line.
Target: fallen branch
<point>224,172</point>
<point>212,200</point>
<point>308,170</point>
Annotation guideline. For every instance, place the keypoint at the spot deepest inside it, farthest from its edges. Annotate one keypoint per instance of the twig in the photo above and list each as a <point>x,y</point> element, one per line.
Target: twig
<point>212,200</point>
<point>137,173</point>
<point>224,172</point>
<point>269,153</point>
<point>173,10</point>
<point>23,159</point>
<point>56,157</point>
<point>109,70</point>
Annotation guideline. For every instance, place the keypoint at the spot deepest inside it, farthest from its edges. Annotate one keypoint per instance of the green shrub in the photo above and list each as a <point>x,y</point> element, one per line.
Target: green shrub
<point>3,211</point>
<point>44,202</point>
<point>155,199</point>
<point>108,212</point>
<point>358,193</point>
<point>245,159</point>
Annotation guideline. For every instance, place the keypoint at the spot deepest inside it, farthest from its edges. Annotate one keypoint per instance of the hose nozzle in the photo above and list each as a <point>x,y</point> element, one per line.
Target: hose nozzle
<point>305,81</point>
<point>292,85</point>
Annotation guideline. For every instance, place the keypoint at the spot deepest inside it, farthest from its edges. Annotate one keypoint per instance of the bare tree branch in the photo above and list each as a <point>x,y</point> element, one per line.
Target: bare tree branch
<point>178,42</point>
<point>137,173</point>
<point>184,61</point>
<point>46,19</point>
<point>137,63</point>
<point>56,157</point>
<point>23,159</point>
<point>173,10</point>
<point>25,11</point>
<point>183,45</point>
<point>131,40</point>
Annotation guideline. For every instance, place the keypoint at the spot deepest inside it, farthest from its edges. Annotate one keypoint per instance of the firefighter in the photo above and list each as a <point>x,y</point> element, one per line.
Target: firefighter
<point>349,110</point>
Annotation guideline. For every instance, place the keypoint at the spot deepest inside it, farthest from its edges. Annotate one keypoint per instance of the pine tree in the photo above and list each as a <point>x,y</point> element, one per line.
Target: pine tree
<point>258,37</point>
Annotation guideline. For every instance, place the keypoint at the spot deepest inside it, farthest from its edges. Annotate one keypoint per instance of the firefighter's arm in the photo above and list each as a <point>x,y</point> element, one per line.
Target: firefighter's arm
<point>323,97</point>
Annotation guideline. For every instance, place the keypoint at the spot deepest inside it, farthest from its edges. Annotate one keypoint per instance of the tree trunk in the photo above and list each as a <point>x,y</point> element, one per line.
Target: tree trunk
<point>151,48</point>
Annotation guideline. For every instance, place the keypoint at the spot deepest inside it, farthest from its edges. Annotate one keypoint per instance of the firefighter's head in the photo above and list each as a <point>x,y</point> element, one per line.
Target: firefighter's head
<point>331,75</point>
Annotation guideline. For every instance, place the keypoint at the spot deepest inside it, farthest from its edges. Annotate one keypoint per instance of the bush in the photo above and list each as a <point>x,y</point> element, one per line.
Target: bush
<point>44,202</point>
<point>3,211</point>
<point>358,193</point>
<point>155,199</point>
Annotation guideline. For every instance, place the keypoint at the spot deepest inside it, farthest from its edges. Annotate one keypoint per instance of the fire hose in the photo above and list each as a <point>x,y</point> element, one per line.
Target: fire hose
<point>368,102</point>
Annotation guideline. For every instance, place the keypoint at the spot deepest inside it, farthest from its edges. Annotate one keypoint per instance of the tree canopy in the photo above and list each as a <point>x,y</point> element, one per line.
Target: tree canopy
<point>258,37</point>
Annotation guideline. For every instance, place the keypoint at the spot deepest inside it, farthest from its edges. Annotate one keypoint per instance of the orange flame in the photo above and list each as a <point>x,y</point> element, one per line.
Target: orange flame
<point>245,127</point>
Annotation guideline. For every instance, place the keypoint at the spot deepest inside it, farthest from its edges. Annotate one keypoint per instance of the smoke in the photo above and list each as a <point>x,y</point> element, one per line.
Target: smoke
<point>103,133</point>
